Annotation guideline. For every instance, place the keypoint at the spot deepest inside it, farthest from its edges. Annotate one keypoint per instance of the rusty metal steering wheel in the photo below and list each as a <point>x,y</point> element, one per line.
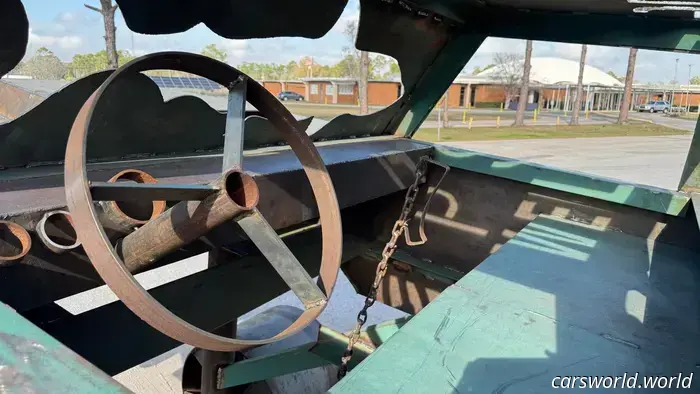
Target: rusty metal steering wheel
<point>235,195</point>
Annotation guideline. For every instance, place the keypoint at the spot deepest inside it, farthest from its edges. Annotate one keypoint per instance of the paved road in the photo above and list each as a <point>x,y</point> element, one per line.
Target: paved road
<point>655,161</point>
<point>542,120</point>
<point>547,118</point>
<point>676,123</point>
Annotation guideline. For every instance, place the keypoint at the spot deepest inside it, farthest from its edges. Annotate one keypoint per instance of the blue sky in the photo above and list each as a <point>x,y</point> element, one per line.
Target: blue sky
<point>66,27</point>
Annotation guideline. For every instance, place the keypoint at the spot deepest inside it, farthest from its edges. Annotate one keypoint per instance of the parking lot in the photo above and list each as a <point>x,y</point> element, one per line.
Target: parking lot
<point>675,122</point>
<point>654,161</point>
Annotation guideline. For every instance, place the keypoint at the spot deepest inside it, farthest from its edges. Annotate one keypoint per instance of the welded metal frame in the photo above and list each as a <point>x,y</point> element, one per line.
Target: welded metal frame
<point>106,259</point>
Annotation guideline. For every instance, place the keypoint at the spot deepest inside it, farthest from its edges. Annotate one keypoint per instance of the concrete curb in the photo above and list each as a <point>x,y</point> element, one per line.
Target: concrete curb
<point>610,115</point>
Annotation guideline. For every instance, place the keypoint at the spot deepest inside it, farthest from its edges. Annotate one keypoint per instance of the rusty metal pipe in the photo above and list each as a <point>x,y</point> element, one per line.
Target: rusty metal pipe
<point>187,221</point>
<point>15,242</point>
<point>119,218</point>
<point>56,232</point>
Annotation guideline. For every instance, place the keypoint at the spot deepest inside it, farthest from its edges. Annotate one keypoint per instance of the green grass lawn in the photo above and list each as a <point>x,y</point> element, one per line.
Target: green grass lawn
<point>330,111</point>
<point>533,132</point>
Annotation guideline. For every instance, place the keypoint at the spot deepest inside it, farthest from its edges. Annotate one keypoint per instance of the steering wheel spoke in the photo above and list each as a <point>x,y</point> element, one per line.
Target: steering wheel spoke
<point>282,259</point>
<point>235,120</point>
<point>138,192</point>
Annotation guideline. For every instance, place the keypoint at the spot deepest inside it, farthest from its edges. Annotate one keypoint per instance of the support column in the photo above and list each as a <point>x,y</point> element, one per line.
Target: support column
<point>468,97</point>
<point>211,360</point>
<point>335,92</point>
<point>619,102</point>
<point>609,103</point>
<point>306,91</point>
<point>588,98</point>
<point>605,101</point>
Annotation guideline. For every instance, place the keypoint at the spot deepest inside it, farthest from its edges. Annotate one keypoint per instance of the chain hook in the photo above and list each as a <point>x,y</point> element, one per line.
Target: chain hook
<point>421,224</point>
<point>400,227</point>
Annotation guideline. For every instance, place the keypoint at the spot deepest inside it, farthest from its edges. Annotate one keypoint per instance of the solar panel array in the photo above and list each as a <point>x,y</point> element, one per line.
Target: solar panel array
<point>185,83</point>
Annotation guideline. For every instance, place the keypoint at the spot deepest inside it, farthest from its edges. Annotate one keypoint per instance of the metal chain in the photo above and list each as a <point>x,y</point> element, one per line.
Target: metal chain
<point>399,228</point>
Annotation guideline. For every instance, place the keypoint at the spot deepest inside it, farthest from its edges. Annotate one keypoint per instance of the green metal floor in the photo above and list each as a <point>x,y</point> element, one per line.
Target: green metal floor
<point>559,299</point>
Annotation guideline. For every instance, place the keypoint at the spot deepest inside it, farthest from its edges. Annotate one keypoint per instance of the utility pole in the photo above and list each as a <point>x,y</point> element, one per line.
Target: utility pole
<point>687,95</point>
<point>675,80</point>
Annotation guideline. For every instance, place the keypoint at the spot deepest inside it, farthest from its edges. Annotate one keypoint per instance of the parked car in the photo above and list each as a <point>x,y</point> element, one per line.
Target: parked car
<point>284,96</point>
<point>655,106</point>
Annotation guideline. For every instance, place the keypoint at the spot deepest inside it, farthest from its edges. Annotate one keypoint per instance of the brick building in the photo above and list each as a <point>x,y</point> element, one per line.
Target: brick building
<point>338,90</point>
<point>552,86</point>
<point>275,87</point>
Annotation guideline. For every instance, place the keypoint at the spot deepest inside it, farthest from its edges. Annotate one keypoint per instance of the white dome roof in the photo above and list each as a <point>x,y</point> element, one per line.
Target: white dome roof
<point>551,70</point>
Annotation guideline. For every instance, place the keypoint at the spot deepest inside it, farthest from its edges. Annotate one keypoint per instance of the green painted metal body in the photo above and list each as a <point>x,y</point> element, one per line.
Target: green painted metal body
<point>690,178</point>
<point>429,269</point>
<point>695,198</point>
<point>560,298</point>
<point>436,79</point>
<point>380,333</point>
<point>521,311</point>
<point>262,368</point>
<point>640,196</point>
<point>326,350</point>
<point>31,361</point>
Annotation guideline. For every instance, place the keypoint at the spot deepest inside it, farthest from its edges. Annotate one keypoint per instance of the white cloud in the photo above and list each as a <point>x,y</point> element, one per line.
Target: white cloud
<point>235,49</point>
<point>58,41</point>
<point>66,17</point>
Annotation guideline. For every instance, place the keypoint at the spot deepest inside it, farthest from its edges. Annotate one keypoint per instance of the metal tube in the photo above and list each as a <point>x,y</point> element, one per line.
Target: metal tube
<point>121,217</point>
<point>187,221</point>
<point>15,242</point>
<point>59,236</point>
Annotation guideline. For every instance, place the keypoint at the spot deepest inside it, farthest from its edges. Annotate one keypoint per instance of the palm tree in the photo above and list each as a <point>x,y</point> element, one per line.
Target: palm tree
<point>579,86</point>
<point>629,77</point>
<point>524,86</point>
